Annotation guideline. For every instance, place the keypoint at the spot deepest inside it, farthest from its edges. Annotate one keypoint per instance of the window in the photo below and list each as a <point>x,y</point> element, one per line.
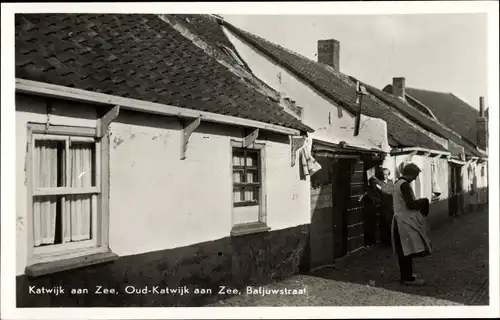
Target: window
<point>246,177</point>
<point>66,198</point>
<point>248,188</point>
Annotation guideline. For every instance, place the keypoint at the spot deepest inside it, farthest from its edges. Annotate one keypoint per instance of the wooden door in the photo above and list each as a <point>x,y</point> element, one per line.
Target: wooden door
<point>355,208</point>
<point>321,233</point>
<point>341,199</point>
<point>329,197</point>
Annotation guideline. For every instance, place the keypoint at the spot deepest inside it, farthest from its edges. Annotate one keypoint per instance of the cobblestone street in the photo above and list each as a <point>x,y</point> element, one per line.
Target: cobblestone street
<point>456,274</point>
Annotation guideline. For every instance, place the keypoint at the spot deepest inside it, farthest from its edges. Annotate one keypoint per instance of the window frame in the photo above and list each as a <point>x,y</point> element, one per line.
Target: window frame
<point>99,242</point>
<point>261,224</point>
<point>256,186</point>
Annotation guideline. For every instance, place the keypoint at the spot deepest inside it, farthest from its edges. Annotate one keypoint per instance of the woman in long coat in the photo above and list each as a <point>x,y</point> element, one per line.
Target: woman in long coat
<point>409,230</point>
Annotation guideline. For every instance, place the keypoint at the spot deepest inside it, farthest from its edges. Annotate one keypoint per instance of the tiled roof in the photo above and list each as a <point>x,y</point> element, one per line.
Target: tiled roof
<point>450,110</point>
<point>136,56</point>
<point>437,127</point>
<point>341,89</point>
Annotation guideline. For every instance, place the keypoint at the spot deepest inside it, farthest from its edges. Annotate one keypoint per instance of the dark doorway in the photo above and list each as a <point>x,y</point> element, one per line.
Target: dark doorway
<point>355,218</point>
<point>341,203</point>
<point>456,195</point>
<point>330,196</point>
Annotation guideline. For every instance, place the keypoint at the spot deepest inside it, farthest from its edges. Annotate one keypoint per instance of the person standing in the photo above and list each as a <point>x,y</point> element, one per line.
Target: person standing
<point>409,230</point>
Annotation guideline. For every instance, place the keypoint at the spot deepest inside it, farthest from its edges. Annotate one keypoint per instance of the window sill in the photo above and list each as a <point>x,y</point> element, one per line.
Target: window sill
<point>45,268</point>
<point>249,228</point>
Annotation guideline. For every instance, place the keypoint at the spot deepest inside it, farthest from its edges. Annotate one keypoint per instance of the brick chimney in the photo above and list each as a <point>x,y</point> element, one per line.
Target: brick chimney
<point>482,127</point>
<point>329,53</point>
<point>398,87</point>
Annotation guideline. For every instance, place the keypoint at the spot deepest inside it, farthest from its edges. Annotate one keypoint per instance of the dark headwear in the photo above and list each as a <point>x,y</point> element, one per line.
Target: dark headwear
<point>411,170</point>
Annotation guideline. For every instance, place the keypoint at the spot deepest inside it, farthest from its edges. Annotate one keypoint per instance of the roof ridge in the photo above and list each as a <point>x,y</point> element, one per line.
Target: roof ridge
<point>327,67</point>
<point>445,93</point>
<point>465,102</point>
<point>346,79</point>
<point>264,39</point>
<point>194,38</point>
<point>428,90</point>
<point>423,106</point>
<point>246,77</point>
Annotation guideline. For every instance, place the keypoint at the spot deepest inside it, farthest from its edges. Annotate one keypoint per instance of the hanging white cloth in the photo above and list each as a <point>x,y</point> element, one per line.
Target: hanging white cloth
<point>44,208</point>
<point>309,165</point>
<point>79,207</point>
<point>436,189</point>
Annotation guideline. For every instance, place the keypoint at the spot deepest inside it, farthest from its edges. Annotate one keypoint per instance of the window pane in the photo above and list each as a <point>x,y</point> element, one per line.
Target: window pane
<point>251,159</point>
<point>252,176</point>
<point>237,176</point>
<point>238,195</point>
<point>78,217</point>
<point>82,172</point>
<point>49,164</point>
<point>238,158</point>
<point>251,194</point>
<point>47,219</point>
<point>55,220</point>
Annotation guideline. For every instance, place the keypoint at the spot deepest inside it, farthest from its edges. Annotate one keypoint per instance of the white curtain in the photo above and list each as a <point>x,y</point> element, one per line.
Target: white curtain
<point>44,208</point>
<point>78,211</point>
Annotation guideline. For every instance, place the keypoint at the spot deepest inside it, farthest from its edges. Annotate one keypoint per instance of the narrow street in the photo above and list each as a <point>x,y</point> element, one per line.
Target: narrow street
<point>456,274</point>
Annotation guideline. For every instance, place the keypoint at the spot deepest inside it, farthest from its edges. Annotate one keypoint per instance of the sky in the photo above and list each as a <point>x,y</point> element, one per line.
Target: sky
<point>440,52</point>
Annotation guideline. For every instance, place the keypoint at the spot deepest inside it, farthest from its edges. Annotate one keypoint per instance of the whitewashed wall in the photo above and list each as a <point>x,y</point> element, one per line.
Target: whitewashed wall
<point>320,113</point>
<point>158,201</point>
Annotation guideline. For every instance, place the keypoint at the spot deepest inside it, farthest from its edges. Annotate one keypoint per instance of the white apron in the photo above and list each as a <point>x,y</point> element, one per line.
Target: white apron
<point>411,225</point>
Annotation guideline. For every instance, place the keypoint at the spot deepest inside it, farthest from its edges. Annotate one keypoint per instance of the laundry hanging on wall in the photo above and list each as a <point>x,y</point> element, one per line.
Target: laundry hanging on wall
<point>309,165</point>
<point>436,189</point>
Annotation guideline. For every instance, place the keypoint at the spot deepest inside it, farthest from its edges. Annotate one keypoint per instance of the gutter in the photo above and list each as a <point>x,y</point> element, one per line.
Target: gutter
<point>477,159</point>
<point>397,151</point>
<point>457,162</point>
<point>102,99</point>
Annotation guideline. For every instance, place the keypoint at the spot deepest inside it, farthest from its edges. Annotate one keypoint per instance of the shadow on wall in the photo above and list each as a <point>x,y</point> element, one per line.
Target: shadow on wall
<point>232,262</point>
